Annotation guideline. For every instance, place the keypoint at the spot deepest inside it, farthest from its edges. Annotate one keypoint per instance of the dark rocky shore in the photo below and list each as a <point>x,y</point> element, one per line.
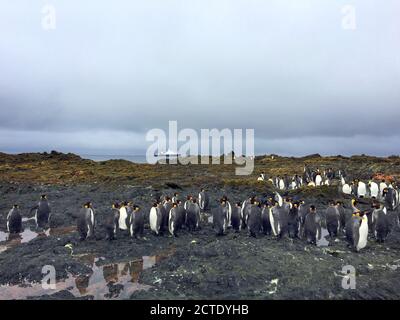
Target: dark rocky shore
<point>195,265</point>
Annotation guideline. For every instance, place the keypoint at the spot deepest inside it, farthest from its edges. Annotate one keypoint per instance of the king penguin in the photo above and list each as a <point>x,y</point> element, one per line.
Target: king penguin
<point>193,215</point>
<point>137,223</point>
<point>265,221</point>
<point>86,221</point>
<point>173,219</point>
<point>362,189</point>
<point>155,218</point>
<point>293,221</point>
<point>203,200</point>
<point>236,217</point>
<point>167,206</point>
<point>360,231</point>
<point>380,222</point>
<point>373,189</point>
<point>274,218</point>
<point>312,226</point>
<point>111,222</point>
<point>14,220</point>
<point>254,220</point>
<point>332,220</point>
<point>42,212</point>
<point>219,218</point>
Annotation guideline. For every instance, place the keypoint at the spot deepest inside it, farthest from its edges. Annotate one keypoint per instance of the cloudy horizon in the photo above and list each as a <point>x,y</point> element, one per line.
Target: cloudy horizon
<point>109,72</point>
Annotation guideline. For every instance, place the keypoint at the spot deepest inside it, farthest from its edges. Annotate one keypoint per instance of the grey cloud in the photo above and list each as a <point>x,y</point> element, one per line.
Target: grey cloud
<point>285,68</point>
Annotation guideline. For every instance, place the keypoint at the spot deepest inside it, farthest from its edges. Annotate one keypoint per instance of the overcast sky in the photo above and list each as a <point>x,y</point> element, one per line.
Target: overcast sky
<point>112,70</point>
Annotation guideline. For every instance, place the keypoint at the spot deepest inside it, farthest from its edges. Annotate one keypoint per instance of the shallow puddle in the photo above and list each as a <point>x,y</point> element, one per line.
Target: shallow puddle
<point>112,281</point>
<point>12,240</point>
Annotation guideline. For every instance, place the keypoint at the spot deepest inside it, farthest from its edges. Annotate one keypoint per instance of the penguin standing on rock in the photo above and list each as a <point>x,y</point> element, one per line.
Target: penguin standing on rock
<point>219,218</point>
<point>360,231</point>
<point>181,216</point>
<point>245,211</point>
<point>42,213</point>
<point>129,211</point>
<point>167,206</point>
<point>380,222</point>
<point>274,213</point>
<point>312,226</point>
<point>14,220</point>
<point>229,212</point>
<point>164,216</point>
<point>332,220</point>
<point>254,220</point>
<point>193,215</point>
<point>155,218</point>
<point>111,223</point>
<point>173,220</point>
<point>137,223</point>
<point>235,218</point>
<point>86,222</point>
<point>303,211</point>
<point>266,223</point>
<point>293,221</point>
<point>204,200</point>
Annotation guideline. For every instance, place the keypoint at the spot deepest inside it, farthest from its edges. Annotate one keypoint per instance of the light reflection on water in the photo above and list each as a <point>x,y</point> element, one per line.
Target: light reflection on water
<point>12,240</point>
<point>111,281</point>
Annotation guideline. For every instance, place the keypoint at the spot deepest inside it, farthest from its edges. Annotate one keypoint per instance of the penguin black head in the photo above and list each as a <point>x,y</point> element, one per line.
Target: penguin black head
<point>168,199</point>
<point>178,201</point>
<point>43,197</point>
<point>115,205</point>
<point>174,205</point>
<point>176,194</point>
<point>238,204</point>
<point>194,200</point>
<point>87,204</point>
<point>189,197</point>
<point>15,206</point>
<point>136,208</point>
<point>354,202</point>
<point>312,208</point>
<point>155,204</point>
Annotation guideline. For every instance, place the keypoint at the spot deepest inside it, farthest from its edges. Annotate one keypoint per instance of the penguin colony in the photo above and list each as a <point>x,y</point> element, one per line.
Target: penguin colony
<point>314,178</point>
<point>275,216</point>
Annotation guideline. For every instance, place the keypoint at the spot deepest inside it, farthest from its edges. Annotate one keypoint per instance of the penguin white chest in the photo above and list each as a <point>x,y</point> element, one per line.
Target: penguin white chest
<point>122,218</point>
<point>318,180</point>
<point>363,230</point>
<point>362,189</point>
<point>153,220</point>
<point>346,189</point>
<point>374,190</point>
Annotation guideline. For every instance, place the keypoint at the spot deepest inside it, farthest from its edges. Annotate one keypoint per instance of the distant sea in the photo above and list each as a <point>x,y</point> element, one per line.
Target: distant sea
<point>135,158</point>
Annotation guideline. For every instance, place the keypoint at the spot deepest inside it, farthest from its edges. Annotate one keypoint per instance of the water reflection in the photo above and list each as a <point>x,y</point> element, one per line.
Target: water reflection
<point>15,239</point>
<point>112,281</point>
